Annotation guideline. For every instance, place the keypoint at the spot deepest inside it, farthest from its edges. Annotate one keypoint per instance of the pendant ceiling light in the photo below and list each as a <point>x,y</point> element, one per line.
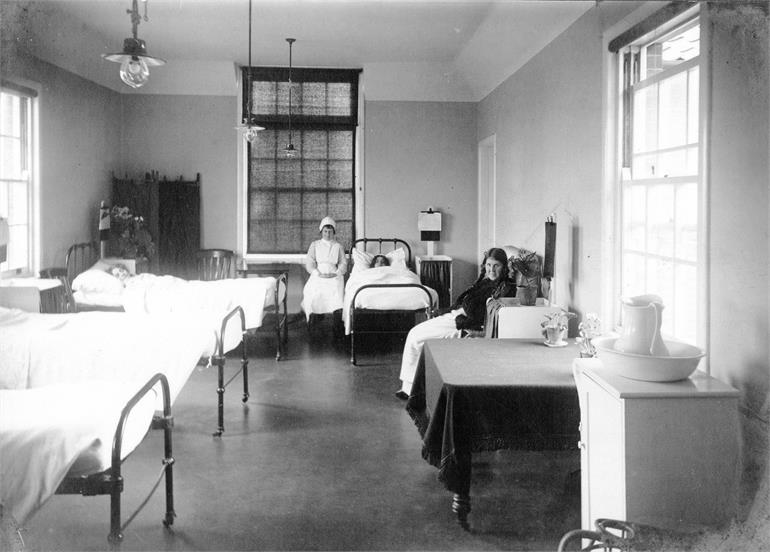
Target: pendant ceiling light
<point>248,127</point>
<point>290,150</point>
<point>134,60</point>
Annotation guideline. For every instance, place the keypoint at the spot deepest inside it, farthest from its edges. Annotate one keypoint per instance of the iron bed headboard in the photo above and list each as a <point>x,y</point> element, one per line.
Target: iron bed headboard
<point>394,241</point>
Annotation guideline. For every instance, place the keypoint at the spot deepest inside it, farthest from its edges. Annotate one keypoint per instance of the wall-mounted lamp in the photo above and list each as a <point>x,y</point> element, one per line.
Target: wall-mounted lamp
<point>429,225</point>
<point>134,60</point>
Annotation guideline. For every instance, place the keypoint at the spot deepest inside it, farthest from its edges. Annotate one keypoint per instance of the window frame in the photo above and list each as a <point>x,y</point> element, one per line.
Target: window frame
<point>29,151</point>
<point>614,142</point>
<point>278,121</point>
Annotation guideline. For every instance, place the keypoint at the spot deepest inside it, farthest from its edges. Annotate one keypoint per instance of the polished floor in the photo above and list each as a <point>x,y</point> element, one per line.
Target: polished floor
<point>322,457</point>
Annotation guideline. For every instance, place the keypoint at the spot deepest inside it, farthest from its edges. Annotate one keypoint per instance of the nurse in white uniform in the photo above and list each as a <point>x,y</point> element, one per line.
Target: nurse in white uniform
<point>326,264</point>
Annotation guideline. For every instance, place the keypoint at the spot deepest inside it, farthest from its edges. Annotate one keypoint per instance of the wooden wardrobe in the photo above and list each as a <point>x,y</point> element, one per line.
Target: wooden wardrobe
<point>171,209</point>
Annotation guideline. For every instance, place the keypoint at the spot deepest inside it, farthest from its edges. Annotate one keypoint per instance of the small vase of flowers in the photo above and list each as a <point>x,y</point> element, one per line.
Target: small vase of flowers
<point>588,329</point>
<point>130,238</point>
<point>555,327</point>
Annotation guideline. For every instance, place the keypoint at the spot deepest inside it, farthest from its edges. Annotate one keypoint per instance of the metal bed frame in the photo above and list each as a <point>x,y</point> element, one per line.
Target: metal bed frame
<point>110,481</point>
<point>355,311</point>
<point>81,256</point>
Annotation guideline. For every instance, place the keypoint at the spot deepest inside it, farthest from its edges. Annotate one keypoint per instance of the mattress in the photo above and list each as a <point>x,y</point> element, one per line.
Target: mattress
<point>44,349</point>
<point>206,301</point>
<point>409,298</point>
<point>49,432</point>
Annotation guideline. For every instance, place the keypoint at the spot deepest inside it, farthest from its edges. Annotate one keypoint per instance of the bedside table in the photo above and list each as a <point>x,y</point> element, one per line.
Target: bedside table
<point>436,272</point>
<point>46,295</point>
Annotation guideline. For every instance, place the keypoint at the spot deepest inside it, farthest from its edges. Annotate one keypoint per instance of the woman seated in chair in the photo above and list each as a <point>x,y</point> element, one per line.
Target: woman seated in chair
<point>466,315</point>
<point>326,264</point>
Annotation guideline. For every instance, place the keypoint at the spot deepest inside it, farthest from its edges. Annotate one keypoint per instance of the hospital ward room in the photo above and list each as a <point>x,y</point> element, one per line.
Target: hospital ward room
<point>384,275</point>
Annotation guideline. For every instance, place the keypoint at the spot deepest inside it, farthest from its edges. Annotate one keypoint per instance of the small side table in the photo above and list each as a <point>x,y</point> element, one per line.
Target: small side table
<point>436,272</point>
<point>46,295</point>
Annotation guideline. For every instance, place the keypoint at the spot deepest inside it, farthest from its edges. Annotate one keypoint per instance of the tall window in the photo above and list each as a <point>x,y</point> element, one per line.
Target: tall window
<point>288,196</point>
<point>660,174</point>
<point>16,176</point>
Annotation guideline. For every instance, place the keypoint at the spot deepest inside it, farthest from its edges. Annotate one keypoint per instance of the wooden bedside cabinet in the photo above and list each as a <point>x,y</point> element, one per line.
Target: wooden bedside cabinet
<point>436,272</point>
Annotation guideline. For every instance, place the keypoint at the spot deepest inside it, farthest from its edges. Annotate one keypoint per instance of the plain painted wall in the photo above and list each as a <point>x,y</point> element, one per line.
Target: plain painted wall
<point>79,133</point>
<point>547,120</point>
<point>740,121</point>
<point>419,155</point>
<point>181,136</point>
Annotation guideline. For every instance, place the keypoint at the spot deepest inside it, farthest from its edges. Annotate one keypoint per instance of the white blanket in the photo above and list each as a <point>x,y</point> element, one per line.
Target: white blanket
<point>410,298</point>
<point>207,301</point>
<point>49,432</point>
<point>44,349</point>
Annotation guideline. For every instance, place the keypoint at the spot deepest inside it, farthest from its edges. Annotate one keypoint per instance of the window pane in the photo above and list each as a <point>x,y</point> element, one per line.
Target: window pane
<point>18,206</point>
<point>673,111</point>
<point>660,281</point>
<point>10,157</point>
<point>687,222</point>
<point>9,115</point>
<point>340,102</point>
<point>289,208</point>
<point>314,98</point>
<point>693,86</point>
<point>685,306</point>
<point>18,247</point>
<point>660,220</point>
<point>645,132</point>
<point>633,279</point>
<point>634,201</point>
<point>264,100</point>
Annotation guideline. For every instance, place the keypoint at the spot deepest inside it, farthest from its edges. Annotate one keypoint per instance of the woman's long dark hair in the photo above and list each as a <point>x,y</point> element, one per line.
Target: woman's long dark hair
<point>499,255</point>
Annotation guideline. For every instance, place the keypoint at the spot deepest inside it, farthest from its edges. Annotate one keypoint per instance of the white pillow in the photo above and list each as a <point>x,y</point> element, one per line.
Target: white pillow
<point>397,258</point>
<point>361,260</point>
<point>97,281</point>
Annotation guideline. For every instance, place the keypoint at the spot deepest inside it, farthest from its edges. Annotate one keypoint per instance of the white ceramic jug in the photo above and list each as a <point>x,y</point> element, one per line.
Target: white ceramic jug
<point>642,316</point>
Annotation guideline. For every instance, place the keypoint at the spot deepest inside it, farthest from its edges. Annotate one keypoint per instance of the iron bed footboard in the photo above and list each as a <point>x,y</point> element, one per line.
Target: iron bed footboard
<point>110,481</point>
<point>356,310</point>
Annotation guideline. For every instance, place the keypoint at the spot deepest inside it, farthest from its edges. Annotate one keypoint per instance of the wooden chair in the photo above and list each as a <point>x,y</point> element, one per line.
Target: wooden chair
<point>215,264</point>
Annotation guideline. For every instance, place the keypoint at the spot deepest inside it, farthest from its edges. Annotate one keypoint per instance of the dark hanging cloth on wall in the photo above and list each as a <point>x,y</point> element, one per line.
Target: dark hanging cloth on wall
<point>179,226</point>
<point>171,210</point>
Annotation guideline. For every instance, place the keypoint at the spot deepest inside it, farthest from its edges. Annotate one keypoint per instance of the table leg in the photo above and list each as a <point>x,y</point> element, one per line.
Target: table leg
<point>461,500</point>
<point>461,506</point>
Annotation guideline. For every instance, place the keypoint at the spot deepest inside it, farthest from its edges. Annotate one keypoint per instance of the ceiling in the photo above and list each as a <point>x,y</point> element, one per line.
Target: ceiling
<point>410,48</point>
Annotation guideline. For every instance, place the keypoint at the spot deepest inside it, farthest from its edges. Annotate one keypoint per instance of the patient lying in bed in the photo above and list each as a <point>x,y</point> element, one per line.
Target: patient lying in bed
<point>114,284</point>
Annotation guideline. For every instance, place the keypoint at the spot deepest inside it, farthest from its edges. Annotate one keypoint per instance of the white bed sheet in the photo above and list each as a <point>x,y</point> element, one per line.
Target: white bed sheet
<point>203,300</point>
<point>49,432</point>
<point>385,298</point>
<point>45,349</point>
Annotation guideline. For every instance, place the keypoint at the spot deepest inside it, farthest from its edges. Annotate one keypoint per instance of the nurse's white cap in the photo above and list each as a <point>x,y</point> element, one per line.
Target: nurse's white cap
<point>327,221</point>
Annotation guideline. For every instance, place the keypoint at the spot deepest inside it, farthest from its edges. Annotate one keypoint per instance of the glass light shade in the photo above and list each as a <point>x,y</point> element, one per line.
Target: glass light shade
<point>290,150</point>
<point>251,132</point>
<point>134,72</point>
<point>134,62</point>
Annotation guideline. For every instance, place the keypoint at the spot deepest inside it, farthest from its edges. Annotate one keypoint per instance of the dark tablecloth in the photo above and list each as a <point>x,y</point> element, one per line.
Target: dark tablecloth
<point>473,395</point>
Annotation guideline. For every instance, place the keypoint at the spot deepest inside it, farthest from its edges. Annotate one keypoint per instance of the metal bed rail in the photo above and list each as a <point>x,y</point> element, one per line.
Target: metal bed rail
<point>111,481</point>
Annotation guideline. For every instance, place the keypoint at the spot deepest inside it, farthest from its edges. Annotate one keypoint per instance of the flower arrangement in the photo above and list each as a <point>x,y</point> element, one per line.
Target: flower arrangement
<point>589,328</point>
<point>130,237</point>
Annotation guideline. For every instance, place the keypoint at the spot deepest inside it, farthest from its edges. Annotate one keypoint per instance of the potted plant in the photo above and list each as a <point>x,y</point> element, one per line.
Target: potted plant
<point>527,269</point>
<point>555,327</point>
